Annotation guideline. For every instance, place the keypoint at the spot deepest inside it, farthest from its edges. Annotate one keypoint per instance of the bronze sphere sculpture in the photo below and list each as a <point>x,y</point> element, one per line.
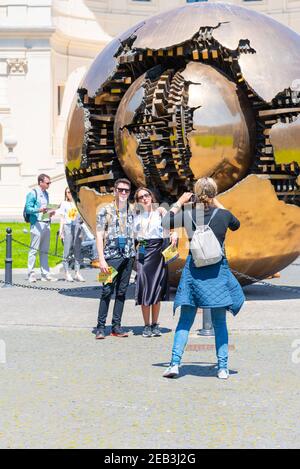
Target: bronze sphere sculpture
<point>202,90</point>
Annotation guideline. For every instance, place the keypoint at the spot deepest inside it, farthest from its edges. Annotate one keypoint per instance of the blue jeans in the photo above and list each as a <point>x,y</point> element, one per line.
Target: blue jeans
<point>186,320</point>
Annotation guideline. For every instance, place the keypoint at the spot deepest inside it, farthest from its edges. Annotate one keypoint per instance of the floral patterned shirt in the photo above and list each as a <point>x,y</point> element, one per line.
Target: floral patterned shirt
<point>115,224</point>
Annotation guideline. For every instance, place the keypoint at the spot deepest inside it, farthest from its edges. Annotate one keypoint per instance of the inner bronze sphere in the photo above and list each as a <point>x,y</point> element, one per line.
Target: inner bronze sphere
<point>198,112</point>
<point>200,90</point>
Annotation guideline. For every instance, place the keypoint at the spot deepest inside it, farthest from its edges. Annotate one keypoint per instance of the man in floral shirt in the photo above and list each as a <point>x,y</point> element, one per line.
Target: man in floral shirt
<point>115,244</point>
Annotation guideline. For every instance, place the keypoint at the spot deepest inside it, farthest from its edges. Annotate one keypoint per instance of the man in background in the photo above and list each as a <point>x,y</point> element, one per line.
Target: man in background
<point>36,205</point>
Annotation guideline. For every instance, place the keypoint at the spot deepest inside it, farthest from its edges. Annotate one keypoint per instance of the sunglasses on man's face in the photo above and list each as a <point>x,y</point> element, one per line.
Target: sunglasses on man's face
<point>123,191</point>
<point>48,183</point>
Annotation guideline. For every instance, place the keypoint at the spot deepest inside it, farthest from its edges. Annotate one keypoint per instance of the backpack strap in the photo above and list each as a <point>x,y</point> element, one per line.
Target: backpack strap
<point>191,215</point>
<point>213,214</point>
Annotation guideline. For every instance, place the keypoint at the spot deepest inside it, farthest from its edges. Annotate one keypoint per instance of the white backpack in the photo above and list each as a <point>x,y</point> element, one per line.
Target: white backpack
<point>204,246</point>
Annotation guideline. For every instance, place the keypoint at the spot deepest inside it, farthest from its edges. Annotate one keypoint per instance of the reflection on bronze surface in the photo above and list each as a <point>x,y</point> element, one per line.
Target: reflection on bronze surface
<point>276,46</point>
<point>268,239</point>
<point>285,139</point>
<point>90,203</point>
<point>127,143</point>
<point>75,139</point>
<point>205,89</point>
<point>220,140</point>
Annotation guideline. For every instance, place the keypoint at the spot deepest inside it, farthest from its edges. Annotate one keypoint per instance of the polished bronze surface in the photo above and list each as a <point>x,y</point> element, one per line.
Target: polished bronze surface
<point>276,46</point>
<point>127,143</point>
<point>202,90</point>
<point>268,239</point>
<point>75,139</point>
<point>89,203</point>
<point>285,139</point>
<point>222,124</point>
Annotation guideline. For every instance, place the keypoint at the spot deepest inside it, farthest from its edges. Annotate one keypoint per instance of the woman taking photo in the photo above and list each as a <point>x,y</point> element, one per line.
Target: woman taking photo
<point>152,274</point>
<point>211,286</point>
<point>70,232</point>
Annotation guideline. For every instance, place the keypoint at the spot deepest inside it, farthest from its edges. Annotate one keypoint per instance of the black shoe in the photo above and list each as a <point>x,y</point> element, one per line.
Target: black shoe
<point>117,331</point>
<point>100,333</point>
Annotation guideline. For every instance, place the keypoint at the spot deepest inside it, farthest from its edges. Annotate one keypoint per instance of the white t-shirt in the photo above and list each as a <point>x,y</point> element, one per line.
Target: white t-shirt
<point>43,198</point>
<point>148,225</point>
<point>69,212</point>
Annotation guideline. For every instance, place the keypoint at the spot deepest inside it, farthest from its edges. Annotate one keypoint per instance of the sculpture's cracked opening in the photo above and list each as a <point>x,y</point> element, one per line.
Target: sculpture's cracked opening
<point>175,99</point>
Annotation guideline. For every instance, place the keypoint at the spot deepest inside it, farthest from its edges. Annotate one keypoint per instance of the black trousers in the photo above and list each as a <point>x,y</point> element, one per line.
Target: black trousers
<point>120,283</point>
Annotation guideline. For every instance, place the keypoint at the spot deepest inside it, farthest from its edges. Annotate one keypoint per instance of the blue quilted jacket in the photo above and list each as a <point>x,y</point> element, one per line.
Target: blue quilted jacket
<point>212,286</point>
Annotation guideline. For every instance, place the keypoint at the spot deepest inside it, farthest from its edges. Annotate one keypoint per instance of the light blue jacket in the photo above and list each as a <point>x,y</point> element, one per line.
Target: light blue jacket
<point>33,205</point>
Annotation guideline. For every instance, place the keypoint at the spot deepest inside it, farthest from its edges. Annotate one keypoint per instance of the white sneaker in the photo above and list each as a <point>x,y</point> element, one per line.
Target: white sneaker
<point>48,278</point>
<point>171,372</point>
<point>79,277</point>
<point>69,277</point>
<point>32,278</point>
<point>223,373</point>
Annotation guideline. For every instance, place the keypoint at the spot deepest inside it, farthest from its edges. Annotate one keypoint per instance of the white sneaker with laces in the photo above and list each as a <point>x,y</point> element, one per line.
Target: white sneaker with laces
<point>79,277</point>
<point>223,373</point>
<point>171,372</point>
<point>69,277</point>
<point>32,278</point>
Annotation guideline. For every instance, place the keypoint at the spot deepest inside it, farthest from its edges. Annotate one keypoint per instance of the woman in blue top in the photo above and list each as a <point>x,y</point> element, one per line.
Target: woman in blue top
<point>212,286</point>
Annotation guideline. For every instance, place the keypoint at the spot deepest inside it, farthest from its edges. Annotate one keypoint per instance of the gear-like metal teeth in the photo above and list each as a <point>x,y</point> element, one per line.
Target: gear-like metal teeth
<point>166,97</point>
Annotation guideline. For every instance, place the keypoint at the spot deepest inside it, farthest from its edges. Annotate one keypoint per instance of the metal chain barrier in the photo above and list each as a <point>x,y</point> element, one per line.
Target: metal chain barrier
<point>33,287</point>
<point>37,250</point>
<point>266,284</point>
<point>8,267</point>
<point>238,274</point>
<point>85,289</point>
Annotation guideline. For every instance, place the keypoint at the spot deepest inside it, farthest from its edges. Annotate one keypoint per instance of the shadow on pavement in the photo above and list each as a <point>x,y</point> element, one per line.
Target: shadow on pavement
<point>136,330</point>
<point>93,292</point>
<point>201,369</point>
<point>266,293</point>
<point>252,292</point>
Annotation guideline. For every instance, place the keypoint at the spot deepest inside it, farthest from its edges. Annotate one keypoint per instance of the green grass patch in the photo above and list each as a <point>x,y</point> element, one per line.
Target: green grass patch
<point>20,253</point>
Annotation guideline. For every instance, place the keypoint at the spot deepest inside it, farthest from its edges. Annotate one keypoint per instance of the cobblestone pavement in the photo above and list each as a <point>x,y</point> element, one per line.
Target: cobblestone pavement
<point>59,388</point>
<point>62,389</point>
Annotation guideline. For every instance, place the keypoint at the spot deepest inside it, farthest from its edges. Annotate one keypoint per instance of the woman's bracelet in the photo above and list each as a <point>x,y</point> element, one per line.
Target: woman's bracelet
<point>177,205</point>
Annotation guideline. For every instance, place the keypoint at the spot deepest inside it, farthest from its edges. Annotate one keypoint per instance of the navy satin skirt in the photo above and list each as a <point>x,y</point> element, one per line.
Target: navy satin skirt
<point>152,275</point>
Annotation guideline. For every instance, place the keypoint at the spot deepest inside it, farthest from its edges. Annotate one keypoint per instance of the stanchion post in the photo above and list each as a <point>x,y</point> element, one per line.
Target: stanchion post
<point>8,259</point>
<point>56,242</point>
<point>207,328</point>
